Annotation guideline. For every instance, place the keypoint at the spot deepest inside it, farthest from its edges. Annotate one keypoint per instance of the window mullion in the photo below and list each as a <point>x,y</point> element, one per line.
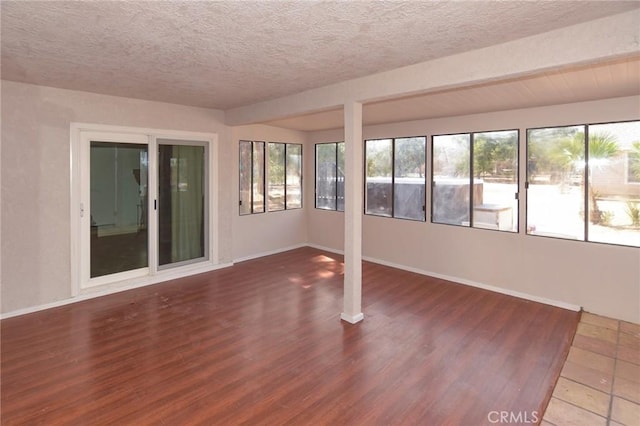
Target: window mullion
<point>393,177</point>
<point>335,201</point>
<point>587,212</point>
<point>265,152</point>
<point>471,179</point>
<point>251,211</point>
<point>286,145</point>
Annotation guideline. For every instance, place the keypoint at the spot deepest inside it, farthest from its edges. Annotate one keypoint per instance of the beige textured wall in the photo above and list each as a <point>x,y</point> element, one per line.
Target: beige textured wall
<point>603,279</point>
<point>36,181</point>
<point>35,195</point>
<point>261,233</point>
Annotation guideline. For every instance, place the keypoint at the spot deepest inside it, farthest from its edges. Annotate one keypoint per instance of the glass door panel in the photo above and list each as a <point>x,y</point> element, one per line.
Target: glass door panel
<point>118,200</point>
<point>182,204</point>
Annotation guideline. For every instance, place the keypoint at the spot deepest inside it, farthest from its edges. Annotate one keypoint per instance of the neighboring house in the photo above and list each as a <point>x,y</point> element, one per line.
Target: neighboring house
<point>614,178</point>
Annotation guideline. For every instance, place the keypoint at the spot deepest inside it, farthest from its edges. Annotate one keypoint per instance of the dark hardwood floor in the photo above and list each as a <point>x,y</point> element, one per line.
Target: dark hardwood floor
<point>262,343</point>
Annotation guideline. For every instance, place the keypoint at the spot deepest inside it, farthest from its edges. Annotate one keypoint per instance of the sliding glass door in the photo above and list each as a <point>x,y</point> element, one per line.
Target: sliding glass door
<point>144,205</point>
<point>118,214</point>
<point>182,213</point>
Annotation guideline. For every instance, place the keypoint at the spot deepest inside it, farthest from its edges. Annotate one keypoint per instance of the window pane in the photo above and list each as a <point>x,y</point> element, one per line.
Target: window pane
<point>118,207</point>
<point>245,176</point>
<point>613,188</point>
<point>294,176</point>
<point>181,198</point>
<point>633,163</point>
<point>409,181</point>
<point>326,182</point>
<point>555,172</point>
<point>378,198</point>
<point>276,176</point>
<point>258,177</point>
<point>495,170</point>
<point>451,175</point>
<point>340,178</point>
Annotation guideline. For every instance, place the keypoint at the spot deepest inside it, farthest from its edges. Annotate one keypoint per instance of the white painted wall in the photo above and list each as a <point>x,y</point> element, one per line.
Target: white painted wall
<point>36,181</point>
<point>603,279</point>
<point>263,233</point>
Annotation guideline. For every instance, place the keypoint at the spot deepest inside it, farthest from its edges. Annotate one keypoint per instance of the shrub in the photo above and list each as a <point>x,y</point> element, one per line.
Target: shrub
<point>606,217</point>
<point>633,210</point>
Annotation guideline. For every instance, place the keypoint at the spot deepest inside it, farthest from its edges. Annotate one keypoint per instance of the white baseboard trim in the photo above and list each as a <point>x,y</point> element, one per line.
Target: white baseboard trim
<point>92,293</point>
<point>458,280</point>
<point>269,253</point>
<point>323,248</point>
<point>352,319</point>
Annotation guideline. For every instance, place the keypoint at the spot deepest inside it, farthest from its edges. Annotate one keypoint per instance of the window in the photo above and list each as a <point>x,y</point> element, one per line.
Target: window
<point>395,177</point>
<point>555,175</point>
<point>330,176</point>
<point>285,176</point>
<point>577,187</point>
<point>251,177</point>
<point>450,195</point>
<point>475,180</point>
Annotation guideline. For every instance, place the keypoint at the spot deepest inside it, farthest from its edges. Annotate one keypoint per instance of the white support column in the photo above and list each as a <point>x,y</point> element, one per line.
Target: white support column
<point>352,311</point>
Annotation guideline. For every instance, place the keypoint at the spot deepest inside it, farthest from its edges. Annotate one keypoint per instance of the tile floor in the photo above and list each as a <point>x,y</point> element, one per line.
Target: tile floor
<point>600,381</point>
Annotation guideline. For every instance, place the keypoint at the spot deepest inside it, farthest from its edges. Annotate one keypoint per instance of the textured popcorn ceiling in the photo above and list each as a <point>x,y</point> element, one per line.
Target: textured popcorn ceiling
<point>226,54</point>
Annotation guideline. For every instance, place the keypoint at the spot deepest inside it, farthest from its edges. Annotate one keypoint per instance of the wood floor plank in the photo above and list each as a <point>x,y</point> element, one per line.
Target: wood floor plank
<point>261,343</point>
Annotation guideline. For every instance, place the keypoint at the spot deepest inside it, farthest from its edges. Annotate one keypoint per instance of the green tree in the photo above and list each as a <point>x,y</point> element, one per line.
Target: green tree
<point>602,146</point>
<point>379,158</point>
<point>458,153</point>
<point>326,153</point>
<point>341,153</point>
<point>276,163</point>
<point>484,152</point>
<point>545,151</point>
<point>495,152</point>
<point>410,157</point>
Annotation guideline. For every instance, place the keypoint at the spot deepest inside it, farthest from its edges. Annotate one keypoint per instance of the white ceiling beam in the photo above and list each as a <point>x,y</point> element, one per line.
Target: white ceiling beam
<point>596,41</point>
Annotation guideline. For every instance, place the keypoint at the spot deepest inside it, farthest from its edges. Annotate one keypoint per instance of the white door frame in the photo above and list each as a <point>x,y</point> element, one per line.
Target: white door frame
<point>80,221</point>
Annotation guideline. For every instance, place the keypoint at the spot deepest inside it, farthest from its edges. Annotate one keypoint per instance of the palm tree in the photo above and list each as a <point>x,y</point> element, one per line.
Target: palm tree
<point>602,147</point>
